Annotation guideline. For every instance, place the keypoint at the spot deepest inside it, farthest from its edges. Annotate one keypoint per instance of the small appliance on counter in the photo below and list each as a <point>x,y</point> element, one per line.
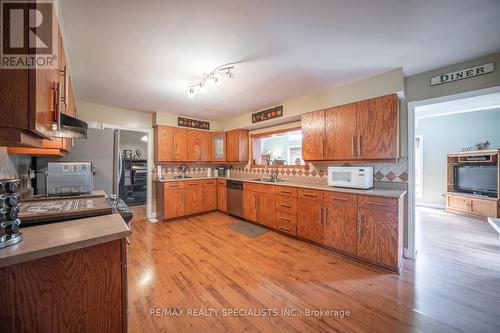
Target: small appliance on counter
<point>69,178</point>
<point>354,177</point>
<point>9,223</point>
<point>222,171</point>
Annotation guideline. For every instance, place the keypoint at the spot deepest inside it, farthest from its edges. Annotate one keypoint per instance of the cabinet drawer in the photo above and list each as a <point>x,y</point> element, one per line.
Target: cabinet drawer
<point>174,184</point>
<point>286,191</point>
<point>378,203</point>
<point>459,203</point>
<point>286,204</point>
<point>340,199</point>
<point>191,183</point>
<point>221,182</point>
<point>305,193</point>
<point>210,182</point>
<point>483,207</point>
<point>271,189</point>
<point>286,223</point>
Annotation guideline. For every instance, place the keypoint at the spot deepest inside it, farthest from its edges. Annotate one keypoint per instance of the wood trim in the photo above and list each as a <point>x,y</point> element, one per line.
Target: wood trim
<point>266,134</point>
<point>36,151</point>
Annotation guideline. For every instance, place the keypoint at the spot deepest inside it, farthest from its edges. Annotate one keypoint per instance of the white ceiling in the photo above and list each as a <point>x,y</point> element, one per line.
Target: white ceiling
<point>141,54</point>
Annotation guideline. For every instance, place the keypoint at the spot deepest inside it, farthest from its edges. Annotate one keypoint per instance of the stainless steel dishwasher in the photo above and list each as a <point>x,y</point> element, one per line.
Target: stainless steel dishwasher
<point>235,198</point>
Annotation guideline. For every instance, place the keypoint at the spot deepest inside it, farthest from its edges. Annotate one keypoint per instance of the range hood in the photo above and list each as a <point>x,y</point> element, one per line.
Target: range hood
<point>69,127</point>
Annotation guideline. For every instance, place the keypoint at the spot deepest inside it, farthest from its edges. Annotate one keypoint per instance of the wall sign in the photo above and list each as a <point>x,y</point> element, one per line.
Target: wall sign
<point>463,74</point>
<point>271,113</point>
<point>193,123</point>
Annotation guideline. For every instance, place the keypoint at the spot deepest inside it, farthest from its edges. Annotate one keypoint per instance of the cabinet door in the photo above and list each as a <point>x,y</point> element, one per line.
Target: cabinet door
<point>250,205</point>
<point>377,128</point>
<point>310,220</point>
<point>487,208</point>
<point>219,147</point>
<point>378,237</point>
<point>459,203</point>
<point>237,145</point>
<point>180,144</point>
<point>266,209</point>
<point>222,197</point>
<point>313,135</point>
<point>209,195</point>
<point>173,204</point>
<point>341,227</point>
<point>206,146</point>
<point>194,145</point>
<point>164,143</point>
<point>194,198</point>
<point>340,125</point>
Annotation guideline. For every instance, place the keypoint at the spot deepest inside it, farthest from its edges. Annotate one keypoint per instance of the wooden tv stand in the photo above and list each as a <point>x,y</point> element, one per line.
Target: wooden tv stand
<point>477,206</point>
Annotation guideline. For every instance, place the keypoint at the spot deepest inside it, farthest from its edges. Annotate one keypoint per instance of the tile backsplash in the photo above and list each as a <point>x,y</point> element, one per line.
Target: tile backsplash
<point>383,172</point>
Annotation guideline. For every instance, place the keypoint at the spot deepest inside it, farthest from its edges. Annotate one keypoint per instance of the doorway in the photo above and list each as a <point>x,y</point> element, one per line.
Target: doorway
<point>448,124</point>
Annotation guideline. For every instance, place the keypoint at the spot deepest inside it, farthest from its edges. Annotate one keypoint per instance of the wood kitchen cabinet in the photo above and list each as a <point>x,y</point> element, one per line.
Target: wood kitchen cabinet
<point>259,203</point>
<point>209,195</point>
<point>170,198</point>
<point>222,195</point>
<point>340,132</point>
<point>237,145</point>
<point>378,128</point>
<point>266,209</point>
<point>218,147</point>
<point>310,215</point>
<point>340,225</point>
<point>313,136</point>
<point>194,197</point>
<point>180,144</point>
<point>250,199</point>
<point>380,231</point>
<point>164,143</point>
<point>193,146</point>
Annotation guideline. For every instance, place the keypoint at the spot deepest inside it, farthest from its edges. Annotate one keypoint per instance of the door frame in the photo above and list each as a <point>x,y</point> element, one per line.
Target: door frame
<point>411,251</point>
<point>149,191</point>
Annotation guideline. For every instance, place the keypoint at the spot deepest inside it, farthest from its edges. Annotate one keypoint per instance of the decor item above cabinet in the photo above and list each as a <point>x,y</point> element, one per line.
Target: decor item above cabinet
<point>365,130</point>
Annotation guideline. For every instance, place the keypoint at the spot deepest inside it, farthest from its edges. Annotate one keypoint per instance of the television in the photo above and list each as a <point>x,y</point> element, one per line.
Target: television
<point>477,179</point>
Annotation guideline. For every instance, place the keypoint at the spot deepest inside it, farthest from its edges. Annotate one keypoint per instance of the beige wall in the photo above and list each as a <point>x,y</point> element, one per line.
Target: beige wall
<point>383,84</point>
<point>96,115</point>
<point>418,86</point>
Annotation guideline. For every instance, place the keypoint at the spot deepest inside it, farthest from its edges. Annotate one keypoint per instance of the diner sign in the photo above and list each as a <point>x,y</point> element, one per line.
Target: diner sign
<point>463,74</point>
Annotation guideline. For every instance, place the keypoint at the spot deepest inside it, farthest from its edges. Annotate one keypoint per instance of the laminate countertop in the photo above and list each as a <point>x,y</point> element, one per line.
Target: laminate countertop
<point>55,238</point>
<point>382,192</point>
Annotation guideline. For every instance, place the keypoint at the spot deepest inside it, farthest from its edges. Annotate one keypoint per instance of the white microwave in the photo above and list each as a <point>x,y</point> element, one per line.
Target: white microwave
<point>355,177</point>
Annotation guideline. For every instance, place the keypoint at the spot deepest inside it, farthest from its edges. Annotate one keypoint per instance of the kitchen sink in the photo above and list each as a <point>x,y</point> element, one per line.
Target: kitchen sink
<point>268,180</point>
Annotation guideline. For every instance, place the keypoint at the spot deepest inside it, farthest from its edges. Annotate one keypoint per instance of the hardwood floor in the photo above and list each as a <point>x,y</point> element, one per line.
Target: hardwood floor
<point>199,263</point>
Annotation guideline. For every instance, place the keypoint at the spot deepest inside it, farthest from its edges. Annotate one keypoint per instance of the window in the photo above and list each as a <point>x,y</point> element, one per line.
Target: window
<point>283,147</point>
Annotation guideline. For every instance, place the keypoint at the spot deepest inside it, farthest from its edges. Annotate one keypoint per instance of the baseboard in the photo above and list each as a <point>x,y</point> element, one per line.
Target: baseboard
<point>152,216</point>
<point>406,254</point>
<point>430,205</point>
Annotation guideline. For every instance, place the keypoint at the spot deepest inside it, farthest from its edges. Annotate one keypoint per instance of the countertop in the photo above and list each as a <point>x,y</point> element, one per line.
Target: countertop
<point>51,239</point>
<point>392,193</point>
<point>94,194</point>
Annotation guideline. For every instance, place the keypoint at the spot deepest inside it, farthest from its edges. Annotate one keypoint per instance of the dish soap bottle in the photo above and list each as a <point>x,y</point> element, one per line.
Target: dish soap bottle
<point>209,172</point>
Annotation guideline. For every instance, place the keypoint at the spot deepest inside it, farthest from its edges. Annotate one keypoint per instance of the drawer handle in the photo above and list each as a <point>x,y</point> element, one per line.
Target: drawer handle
<point>283,228</point>
<point>286,206</point>
<point>284,218</point>
<point>339,199</point>
<point>310,195</point>
<point>377,203</point>
<point>286,192</point>
<point>194,184</point>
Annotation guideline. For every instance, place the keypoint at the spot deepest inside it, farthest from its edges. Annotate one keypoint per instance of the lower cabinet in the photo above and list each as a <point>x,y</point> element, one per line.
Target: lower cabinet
<point>378,236</point>
<point>266,210</point>
<point>221,195</point>
<point>194,197</point>
<point>170,200</point>
<point>209,195</point>
<point>250,205</point>
<point>340,227</point>
<point>468,204</point>
<point>310,215</point>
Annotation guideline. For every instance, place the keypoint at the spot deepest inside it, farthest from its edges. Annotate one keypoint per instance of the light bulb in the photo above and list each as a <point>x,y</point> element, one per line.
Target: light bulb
<point>191,92</point>
<point>212,81</point>
<point>202,88</point>
<point>230,74</point>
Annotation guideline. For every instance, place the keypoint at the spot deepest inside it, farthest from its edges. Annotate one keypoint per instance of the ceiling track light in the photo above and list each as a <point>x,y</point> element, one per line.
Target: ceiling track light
<point>210,79</point>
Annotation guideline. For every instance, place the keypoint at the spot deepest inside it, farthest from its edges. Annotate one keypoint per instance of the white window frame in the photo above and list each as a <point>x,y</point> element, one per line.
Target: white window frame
<point>419,195</point>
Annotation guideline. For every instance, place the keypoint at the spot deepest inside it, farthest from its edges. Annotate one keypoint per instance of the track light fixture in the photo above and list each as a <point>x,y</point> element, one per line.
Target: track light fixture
<point>210,79</point>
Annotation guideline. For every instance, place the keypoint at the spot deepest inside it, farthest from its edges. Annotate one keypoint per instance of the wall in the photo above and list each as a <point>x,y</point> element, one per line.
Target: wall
<point>96,115</point>
<point>450,133</point>
<point>418,86</point>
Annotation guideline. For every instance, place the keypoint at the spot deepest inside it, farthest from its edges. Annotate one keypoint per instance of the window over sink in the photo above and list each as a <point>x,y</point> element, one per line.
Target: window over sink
<point>283,147</point>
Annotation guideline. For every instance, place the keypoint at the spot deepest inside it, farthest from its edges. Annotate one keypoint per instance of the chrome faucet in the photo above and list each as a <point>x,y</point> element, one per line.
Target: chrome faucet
<point>274,171</point>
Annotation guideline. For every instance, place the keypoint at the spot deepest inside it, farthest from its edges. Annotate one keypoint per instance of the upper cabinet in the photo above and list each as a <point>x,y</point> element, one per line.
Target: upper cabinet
<point>177,144</point>
<point>313,136</point>
<point>218,147</point>
<point>237,145</point>
<point>366,130</point>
